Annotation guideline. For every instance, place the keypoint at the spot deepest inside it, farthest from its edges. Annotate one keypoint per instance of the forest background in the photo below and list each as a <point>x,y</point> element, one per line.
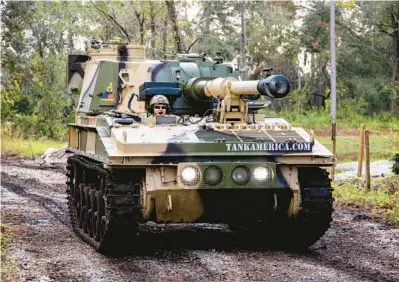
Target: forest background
<point>290,36</point>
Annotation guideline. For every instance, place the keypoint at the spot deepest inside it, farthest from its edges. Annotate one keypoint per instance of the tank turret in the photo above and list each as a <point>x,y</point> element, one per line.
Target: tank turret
<point>120,79</point>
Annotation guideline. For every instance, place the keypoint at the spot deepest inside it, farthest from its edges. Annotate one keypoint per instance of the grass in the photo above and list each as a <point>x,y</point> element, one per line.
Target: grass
<point>384,140</point>
<point>382,201</point>
<point>8,265</point>
<point>28,147</point>
<point>4,240</point>
<point>382,146</point>
<point>313,119</point>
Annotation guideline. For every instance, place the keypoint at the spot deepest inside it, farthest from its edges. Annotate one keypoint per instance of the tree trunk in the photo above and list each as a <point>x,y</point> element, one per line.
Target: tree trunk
<point>164,38</point>
<point>71,46</point>
<point>395,53</point>
<point>175,26</point>
<point>242,42</point>
<point>37,34</point>
<point>72,21</point>
<point>141,19</point>
<point>152,27</point>
<point>206,20</point>
<point>142,32</point>
<point>205,27</point>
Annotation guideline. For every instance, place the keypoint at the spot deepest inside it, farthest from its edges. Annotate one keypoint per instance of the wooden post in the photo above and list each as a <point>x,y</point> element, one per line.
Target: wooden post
<point>361,151</point>
<point>334,143</point>
<point>367,158</point>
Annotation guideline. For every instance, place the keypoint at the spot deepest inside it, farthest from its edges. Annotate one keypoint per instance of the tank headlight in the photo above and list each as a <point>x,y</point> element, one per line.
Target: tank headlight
<point>263,174</point>
<point>190,175</point>
<point>213,175</point>
<point>241,175</point>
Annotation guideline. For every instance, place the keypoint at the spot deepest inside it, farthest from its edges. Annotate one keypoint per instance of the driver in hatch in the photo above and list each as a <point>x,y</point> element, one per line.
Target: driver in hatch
<point>159,106</point>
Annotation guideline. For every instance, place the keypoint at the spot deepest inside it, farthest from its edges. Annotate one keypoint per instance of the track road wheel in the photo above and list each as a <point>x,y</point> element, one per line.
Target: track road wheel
<point>106,223</point>
<point>103,227</point>
<point>92,210</point>
<point>86,208</point>
<point>80,206</point>
<point>99,212</point>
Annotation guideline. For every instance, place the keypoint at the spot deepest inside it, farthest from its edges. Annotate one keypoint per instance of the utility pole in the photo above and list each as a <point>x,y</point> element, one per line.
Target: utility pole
<point>333,84</point>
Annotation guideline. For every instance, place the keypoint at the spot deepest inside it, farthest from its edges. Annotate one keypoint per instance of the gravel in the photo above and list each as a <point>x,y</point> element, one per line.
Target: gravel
<point>44,247</point>
<point>377,168</point>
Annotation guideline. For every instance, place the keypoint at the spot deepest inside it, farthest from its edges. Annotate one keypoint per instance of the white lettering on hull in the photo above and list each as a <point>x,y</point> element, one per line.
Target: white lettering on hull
<point>269,147</point>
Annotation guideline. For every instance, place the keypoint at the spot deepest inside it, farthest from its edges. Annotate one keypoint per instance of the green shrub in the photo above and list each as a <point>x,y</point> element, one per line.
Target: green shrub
<point>382,201</point>
<point>395,164</point>
<point>4,240</point>
<point>31,127</point>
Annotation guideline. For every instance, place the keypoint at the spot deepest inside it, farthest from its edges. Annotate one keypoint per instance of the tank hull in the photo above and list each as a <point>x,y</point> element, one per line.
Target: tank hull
<point>108,203</point>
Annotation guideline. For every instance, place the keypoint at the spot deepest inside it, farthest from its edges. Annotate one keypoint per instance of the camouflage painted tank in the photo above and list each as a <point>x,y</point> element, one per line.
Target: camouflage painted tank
<point>212,159</point>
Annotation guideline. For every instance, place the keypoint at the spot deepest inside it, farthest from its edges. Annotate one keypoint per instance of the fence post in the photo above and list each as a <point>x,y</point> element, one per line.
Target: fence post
<point>367,159</point>
<point>334,148</point>
<point>361,151</point>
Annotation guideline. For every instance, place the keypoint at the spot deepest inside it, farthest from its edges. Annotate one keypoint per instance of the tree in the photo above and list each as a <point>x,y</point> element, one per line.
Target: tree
<point>366,53</point>
<point>171,5</point>
<point>15,18</point>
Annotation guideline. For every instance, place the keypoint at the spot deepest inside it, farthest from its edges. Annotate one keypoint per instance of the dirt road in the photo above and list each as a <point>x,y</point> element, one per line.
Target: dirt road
<point>44,247</point>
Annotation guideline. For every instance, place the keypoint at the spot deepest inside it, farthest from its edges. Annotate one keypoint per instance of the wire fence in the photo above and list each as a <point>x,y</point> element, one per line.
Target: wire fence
<point>356,145</point>
<point>383,145</point>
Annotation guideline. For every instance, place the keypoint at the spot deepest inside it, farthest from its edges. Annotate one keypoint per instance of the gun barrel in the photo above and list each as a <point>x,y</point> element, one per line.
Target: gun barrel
<point>246,87</point>
<point>274,86</point>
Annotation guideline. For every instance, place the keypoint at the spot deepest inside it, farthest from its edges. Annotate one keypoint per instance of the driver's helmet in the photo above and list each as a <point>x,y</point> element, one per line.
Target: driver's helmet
<point>159,99</point>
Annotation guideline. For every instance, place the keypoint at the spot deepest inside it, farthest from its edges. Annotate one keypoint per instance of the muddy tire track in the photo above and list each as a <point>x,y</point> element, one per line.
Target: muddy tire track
<point>46,249</point>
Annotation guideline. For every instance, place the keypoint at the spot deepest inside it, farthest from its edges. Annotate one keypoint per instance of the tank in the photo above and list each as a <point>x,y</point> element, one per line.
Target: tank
<point>214,158</point>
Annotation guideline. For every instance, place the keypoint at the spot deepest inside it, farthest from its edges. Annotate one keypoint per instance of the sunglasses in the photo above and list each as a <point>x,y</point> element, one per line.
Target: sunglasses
<point>160,107</point>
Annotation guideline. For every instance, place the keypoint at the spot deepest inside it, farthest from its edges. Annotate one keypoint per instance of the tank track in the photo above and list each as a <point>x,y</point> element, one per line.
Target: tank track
<point>316,211</point>
<point>312,221</point>
<point>104,210</point>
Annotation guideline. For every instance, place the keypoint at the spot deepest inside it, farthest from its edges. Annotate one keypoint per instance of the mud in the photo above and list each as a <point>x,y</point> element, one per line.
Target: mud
<point>44,247</point>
